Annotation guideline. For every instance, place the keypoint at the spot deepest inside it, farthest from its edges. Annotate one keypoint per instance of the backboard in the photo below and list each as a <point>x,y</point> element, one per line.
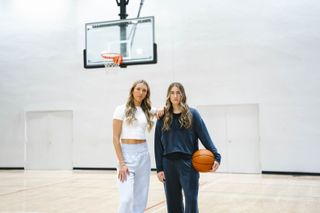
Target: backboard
<point>132,38</point>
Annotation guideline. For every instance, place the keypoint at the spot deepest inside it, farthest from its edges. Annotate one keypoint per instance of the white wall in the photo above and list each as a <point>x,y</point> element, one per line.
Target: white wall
<point>224,52</point>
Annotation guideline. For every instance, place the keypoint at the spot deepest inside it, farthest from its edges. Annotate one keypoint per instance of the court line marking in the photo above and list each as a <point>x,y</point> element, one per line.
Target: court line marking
<point>31,188</point>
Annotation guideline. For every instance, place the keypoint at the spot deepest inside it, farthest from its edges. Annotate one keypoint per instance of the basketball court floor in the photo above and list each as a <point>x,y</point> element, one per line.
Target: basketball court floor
<point>96,192</point>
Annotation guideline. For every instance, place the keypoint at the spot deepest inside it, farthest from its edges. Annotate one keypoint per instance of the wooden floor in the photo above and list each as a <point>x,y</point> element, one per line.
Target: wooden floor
<point>96,192</point>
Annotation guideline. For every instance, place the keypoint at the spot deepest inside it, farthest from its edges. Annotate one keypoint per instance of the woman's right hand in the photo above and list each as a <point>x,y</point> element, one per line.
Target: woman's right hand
<point>123,172</point>
<point>161,176</point>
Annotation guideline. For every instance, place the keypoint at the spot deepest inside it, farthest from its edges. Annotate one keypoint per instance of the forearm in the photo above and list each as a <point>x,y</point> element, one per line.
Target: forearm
<point>217,155</point>
<point>208,144</point>
<point>158,149</point>
<point>158,160</point>
<point>118,150</point>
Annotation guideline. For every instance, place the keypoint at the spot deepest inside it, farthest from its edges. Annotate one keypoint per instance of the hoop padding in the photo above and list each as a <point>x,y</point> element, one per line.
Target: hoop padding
<point>112,59</point>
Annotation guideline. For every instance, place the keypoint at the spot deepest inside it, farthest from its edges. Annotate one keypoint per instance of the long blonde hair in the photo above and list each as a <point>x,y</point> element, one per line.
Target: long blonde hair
<point>145,105</point>
<point>186,116</point>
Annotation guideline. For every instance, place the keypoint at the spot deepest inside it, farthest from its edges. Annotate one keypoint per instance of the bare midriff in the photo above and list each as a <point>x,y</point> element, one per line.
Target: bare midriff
<point>133,141</point>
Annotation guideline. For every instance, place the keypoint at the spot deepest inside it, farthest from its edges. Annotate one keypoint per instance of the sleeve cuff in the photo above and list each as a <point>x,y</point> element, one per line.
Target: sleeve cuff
<point>159,170</point>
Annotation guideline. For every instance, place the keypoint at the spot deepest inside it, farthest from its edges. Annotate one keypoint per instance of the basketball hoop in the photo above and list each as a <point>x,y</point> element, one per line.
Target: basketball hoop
<point>111,60</point>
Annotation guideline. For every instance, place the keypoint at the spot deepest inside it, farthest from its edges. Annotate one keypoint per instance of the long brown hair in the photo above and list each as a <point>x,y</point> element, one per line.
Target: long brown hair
<point>186,116</point>
<point>145,105</point>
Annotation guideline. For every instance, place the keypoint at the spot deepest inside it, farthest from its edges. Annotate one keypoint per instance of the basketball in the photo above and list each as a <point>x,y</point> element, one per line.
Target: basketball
<point>202,160</point>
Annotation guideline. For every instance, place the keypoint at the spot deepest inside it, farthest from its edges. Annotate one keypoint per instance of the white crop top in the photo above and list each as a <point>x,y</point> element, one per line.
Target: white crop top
<point>136,130</point>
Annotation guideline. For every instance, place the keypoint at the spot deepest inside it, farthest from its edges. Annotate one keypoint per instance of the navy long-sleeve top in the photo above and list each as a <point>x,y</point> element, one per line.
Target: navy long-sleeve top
<point>180,140</point>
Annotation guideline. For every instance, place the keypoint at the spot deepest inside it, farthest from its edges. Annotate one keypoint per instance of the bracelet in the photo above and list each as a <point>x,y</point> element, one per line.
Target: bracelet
<point>122,163</point>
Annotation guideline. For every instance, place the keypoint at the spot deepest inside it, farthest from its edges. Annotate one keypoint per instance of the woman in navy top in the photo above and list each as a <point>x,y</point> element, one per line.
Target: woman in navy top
<point>176,139</point>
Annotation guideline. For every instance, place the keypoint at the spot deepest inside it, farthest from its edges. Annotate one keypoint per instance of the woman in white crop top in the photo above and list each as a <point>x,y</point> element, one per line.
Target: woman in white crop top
<point>130,122</point>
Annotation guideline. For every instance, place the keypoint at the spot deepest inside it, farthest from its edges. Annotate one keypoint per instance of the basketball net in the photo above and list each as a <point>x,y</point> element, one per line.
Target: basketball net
<point>111,60</point>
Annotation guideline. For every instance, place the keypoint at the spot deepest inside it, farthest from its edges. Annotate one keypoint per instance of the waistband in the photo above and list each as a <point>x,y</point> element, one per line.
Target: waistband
<point>177,156</point>
<point>140,147</point>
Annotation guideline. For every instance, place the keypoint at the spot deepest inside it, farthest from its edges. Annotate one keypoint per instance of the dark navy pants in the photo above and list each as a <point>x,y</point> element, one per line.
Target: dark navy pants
<point>180,176</point>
